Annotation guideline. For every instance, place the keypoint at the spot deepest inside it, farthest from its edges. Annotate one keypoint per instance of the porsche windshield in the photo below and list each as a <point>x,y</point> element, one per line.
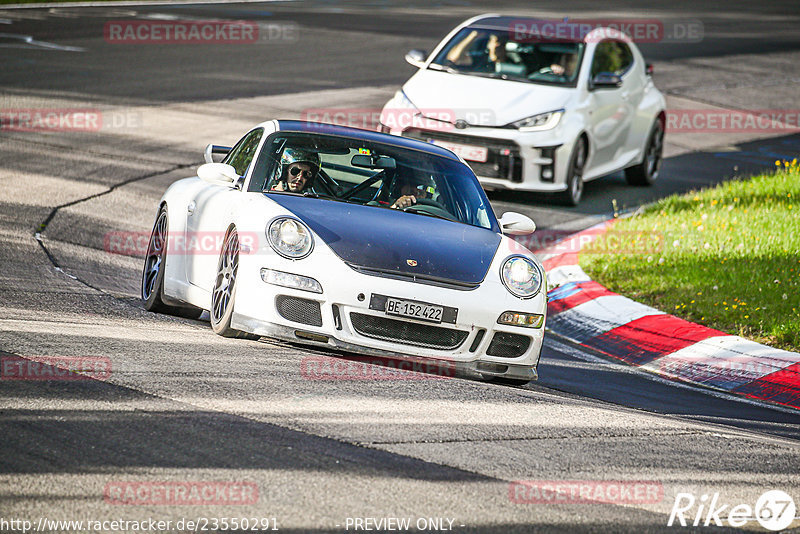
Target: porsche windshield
<point>352,170</point>
<point>494,53</point>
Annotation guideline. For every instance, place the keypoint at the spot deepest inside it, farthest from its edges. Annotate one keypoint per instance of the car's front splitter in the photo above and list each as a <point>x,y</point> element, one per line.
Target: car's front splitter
<point>310,337</point>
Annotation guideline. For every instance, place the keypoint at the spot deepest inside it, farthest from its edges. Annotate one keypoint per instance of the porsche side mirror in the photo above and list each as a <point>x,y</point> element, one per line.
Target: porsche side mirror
<point>606,80</point>
<point>512,223</point>
<point>416,58</point>
<point>218,174</point>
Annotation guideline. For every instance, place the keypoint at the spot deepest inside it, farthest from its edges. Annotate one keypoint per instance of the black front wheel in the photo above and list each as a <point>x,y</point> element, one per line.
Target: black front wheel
<point>577,161</point>
<point>646,172</point>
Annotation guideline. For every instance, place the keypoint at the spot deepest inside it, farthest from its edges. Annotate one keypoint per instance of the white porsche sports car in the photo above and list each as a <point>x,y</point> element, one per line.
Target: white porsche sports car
<point>347,238</point>
<point>535,107</point>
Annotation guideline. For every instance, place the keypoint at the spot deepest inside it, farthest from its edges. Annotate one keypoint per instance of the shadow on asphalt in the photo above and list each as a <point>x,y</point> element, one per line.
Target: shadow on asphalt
<point>171,434</point>
<point>620,384</point>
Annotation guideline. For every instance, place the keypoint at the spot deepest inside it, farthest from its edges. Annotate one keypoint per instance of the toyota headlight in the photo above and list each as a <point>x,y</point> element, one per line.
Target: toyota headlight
<point>398,114</point>
<point>542,121</point>
<point>290,238</point>
<point>402,101</point>
<point>521,276</point>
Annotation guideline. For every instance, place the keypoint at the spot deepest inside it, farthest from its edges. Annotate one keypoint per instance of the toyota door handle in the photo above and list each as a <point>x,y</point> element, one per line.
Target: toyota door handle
<point>191,207</point>
<point>625,96</point>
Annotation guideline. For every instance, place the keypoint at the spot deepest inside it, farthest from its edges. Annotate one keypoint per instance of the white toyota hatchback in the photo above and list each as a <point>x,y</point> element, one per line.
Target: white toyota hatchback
<point>532,112</point>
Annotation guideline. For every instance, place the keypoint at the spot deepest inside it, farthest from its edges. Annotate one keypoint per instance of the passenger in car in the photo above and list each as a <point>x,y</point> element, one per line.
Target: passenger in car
<point>497,49</point>
<point>479,52</point>
<point>412,189</point>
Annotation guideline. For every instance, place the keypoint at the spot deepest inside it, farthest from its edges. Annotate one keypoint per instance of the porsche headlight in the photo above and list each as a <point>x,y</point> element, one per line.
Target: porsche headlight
<point>521,277</point>
<point>542,121</point>
<point>290,238</point>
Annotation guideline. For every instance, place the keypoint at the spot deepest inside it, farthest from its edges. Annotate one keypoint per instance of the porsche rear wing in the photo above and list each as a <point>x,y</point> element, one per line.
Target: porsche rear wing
<point>214,149</point>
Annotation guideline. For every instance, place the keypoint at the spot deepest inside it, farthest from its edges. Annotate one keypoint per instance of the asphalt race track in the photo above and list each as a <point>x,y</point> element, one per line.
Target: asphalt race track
<point>182,405</point>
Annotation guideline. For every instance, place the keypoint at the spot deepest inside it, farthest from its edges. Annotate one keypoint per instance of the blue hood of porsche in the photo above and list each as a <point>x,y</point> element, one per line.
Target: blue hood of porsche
<point>391,241</point>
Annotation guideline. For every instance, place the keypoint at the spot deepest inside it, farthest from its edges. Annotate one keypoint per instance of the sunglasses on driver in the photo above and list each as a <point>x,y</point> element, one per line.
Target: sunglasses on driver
<point>294,171</point>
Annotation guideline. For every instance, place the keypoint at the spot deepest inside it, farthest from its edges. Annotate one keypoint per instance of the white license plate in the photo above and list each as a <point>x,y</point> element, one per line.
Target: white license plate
<point>416,310</point>
<point>468,152</point>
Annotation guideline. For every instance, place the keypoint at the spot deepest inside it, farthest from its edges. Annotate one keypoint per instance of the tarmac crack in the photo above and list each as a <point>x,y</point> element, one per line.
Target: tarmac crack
<point>40,230</point>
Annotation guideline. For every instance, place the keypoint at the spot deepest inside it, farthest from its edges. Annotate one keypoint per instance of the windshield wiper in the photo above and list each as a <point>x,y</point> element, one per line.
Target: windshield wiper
<point>451,70</point>
<point>429,214</point>
<point>494,75</point>
<point>281,192</point>
<point>442,68</point>
<point>311,194</point>
<point>308,194</point>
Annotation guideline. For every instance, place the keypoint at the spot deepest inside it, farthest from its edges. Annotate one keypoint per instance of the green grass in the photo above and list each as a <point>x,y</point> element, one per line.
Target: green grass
<point>726,257</point>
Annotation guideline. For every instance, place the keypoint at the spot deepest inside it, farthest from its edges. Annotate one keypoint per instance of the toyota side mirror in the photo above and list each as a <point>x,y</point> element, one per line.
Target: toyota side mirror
<point>416,58</point>
<point>606,80</point>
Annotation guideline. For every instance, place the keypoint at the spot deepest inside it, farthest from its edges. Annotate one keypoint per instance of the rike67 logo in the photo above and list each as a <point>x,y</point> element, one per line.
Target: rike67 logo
<point>774,510</point>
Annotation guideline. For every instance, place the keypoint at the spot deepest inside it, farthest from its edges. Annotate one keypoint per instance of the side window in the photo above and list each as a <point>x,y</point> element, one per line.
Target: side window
<point>242,154</point>
<point>612,56</point>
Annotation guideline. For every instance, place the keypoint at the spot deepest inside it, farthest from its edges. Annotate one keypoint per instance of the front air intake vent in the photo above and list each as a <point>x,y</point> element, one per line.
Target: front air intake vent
<point>299,310</point>
<point>507,345</point>
<point>420,335</point>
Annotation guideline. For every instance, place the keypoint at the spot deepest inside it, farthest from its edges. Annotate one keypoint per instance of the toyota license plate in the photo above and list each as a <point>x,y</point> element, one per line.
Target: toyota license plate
<point>415,310</point>
<point>468,152</point>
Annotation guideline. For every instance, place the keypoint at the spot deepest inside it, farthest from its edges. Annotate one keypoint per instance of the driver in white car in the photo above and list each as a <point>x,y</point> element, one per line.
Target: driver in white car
<point>297,170</point>
<point>565,66</point>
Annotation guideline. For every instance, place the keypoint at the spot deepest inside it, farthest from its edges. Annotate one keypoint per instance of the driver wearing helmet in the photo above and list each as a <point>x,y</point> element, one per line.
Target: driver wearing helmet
<point>297,170</point>
<point>412,189</point>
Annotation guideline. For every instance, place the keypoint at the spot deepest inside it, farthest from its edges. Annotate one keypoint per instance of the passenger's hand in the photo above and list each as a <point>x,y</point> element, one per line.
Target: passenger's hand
<point>404,202</point>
